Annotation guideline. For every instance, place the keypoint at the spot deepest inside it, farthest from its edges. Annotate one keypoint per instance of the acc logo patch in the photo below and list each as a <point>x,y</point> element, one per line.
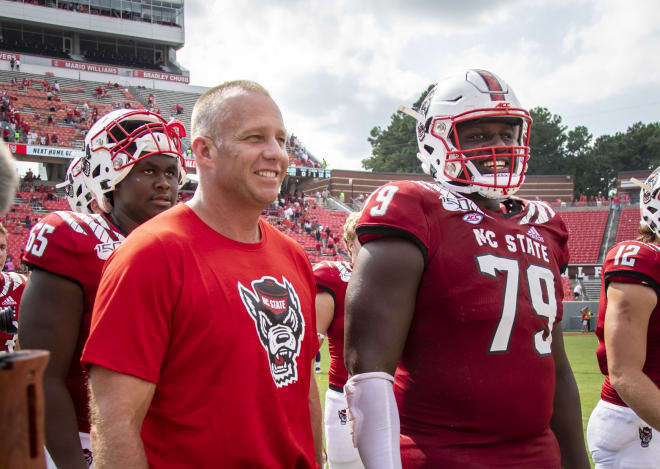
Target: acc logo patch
<point>473,218</point>
<point>12,148</point>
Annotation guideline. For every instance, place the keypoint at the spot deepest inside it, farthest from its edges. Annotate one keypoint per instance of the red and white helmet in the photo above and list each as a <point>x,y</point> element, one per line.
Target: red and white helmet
<point>649,198</point>
<point>121,138</point>
<point>473,95</point>
<point>75,188</point>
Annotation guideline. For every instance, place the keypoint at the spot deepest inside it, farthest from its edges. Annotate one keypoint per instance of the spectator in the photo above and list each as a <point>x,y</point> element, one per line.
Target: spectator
<point>27,222</point>
<point>179,109</point>
<point>577,291</point>
<point>49,95</point>
<point>18,64</point>
<point>586,315</point>
<point>56,86</point>
<point>50,118</point>
<point>54,139</point>
<point>42,140</point>
<point>37,117</point>
<point>12,63</point>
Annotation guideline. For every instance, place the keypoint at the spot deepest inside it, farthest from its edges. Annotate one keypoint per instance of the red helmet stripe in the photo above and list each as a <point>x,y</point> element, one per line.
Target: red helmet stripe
<point>492,83</point>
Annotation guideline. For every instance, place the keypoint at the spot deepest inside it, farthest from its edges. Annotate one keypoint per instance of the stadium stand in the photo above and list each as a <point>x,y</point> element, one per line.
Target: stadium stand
<point>628,224</point>
<point>166,101</point>
<point>585,234</point>
<point>78,96</point>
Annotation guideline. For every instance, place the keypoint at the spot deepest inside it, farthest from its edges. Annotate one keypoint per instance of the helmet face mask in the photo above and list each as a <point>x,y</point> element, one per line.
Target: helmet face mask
<point>75,188</point>
<point>650,202</point>
<point>493,171</point>
<point>120,139</point>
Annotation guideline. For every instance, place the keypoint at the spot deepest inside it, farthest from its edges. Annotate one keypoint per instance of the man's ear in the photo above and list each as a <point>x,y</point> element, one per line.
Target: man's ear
<point>204,150</point>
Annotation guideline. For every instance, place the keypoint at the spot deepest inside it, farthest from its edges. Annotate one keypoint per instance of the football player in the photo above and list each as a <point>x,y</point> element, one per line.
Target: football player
<point>133,168</point>
<point>11,289</point>
<point>456,299</point>
<point>623,428</point>
<point>331,281</point>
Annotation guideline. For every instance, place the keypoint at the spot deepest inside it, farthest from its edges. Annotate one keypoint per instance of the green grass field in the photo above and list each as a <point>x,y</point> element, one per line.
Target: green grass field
<point>581,351</point>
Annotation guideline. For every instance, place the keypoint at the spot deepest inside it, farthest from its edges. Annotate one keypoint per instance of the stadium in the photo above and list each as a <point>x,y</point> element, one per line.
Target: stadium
<point>65,63</point>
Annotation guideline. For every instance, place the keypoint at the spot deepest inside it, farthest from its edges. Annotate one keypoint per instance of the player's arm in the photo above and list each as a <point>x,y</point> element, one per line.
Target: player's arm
<point>566,420</point>
<point>50,314</point>
<point>325,312</point>
<point>316,416</point>
<point>380,305</point>
<point>629,308</point>
<point>118,405</point>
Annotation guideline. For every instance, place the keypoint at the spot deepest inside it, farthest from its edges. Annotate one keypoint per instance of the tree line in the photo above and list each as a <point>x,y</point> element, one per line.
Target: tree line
<point>554,149</point>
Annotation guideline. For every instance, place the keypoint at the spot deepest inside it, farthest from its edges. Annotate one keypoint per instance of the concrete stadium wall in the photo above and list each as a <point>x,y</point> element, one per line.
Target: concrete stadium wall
<point>572,320</point>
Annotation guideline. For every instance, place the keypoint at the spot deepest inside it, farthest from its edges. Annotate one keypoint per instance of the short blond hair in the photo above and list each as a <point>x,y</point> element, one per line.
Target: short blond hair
<point>209,109</point>
<point>3,230</point>
<point>349,228</point>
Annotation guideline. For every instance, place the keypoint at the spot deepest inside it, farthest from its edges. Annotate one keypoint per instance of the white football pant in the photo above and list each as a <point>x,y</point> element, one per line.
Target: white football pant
<point>619,439</point>
<point>339,445</point>
<point>86,444</point>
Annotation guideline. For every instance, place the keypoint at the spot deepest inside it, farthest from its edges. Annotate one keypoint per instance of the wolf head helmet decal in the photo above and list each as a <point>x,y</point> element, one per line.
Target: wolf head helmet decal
<point>275,309</point>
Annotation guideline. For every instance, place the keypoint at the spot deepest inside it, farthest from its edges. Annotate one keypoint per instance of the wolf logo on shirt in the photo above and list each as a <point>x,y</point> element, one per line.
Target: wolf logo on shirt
<point>275,309</point>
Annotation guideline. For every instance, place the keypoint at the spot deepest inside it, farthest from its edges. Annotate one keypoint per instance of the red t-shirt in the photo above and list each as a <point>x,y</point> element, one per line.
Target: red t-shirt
<point>12,285</point>
<point>75,246</point>
<point>226,331</point>
<point>631,262</point>
<point>332,277</point>
<point>476,379</point>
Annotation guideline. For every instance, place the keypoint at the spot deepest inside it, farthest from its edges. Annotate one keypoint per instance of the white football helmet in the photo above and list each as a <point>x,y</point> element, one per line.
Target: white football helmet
<point>121,138</point>
<point>75,188</point>
<point>474,95</point>
<point>650,202</point>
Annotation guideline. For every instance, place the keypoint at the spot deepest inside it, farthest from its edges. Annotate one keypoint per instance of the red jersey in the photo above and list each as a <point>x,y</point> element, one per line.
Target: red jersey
<point>631,262</point>
<point>332,277</point>
<point>75,246</point>
<point>476,379</point>
<point>226,330</point>
<point>11,290</point>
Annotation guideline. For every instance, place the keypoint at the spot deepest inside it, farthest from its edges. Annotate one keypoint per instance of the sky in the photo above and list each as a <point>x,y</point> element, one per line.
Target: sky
<point>338,68</point>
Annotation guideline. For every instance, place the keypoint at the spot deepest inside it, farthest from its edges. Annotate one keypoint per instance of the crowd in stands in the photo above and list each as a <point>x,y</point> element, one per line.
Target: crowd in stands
<point>300,156</point>
<point>317,229</point>
<point>42,112</point>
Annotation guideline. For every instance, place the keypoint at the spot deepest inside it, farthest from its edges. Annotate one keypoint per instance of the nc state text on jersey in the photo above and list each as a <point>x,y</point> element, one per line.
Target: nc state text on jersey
<point>519,242</point>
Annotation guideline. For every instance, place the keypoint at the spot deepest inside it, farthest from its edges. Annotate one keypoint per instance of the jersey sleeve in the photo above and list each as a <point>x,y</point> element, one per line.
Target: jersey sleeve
<point>134,308</point>
<point>325,277</point>
<point>395,209</point>
<point>633,262</point>
<point>55,245</point>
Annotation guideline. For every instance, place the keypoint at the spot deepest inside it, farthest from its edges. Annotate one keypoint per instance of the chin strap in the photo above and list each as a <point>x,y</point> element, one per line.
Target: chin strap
<point>373,419</point>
